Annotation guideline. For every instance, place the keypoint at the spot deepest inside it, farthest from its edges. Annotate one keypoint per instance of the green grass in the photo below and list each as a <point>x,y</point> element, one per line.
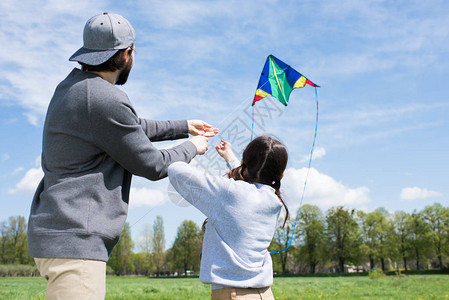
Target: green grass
<point>22,288</point>
<point>391,287</point>
<point>120,288</point>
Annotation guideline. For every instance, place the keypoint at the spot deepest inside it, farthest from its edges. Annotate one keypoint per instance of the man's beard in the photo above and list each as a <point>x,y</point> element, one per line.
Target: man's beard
<point>123,76</point>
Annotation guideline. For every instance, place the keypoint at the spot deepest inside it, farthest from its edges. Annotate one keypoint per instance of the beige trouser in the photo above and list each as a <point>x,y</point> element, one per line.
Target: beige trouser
<point>73,278</point>
<point>241,294</point>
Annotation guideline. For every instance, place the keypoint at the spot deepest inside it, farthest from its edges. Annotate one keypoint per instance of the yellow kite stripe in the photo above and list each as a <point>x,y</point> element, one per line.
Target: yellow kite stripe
<point>301,82</point>
<point>261,93</point>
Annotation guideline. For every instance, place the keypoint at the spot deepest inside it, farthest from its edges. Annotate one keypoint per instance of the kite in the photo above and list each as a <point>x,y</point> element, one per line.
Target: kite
<point>278,80</point>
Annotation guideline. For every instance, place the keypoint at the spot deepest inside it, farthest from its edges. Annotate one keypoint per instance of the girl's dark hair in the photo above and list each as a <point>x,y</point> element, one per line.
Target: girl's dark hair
<point>264,161</point>
<point>113,64</point>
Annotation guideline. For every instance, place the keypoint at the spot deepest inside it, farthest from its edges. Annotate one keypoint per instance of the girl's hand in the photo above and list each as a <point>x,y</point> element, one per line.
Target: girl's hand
<point>224,149</point>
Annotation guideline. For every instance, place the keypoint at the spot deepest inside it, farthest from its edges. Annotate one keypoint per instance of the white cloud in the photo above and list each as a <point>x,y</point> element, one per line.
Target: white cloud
<point>138,196</point>
<point>211,36</point>
<point>5,156</point>
<point>176,13</point>
<point>358,126</point>
<point>29,182</point>
<point>318,152</point>
<point>33,119</point>
<point>42,39</point>
<point>146,197</point>
<point>321,190</point>
<point>413,193</point>
<point>37,161</point>
<point>402,37</point>
<point>375,115</point>
<point>18,170</point>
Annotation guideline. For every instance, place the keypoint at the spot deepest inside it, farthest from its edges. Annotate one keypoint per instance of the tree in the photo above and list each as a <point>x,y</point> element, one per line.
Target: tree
<point>310,235</point>
<point>121,259</point>
<point>446,230</point>
<point>381,216</point>
<point>158,244</point>
<point>419,237</point>
<point>142,266</point>
<point>280,241</point>
<point>186,248</point>
<point>13,244</point>
<point>4,239</point>
<point>435,216</point>
<point>368,234</point>
<point>401,235</point>
<point>374,230</point>
<point>342,236</point>
<point>143,260</point>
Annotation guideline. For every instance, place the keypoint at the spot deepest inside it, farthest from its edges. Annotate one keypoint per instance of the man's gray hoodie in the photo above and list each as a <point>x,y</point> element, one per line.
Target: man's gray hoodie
<point>92,142</point>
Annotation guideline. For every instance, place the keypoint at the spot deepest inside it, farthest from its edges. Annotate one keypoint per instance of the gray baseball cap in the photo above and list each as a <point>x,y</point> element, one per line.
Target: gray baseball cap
<point>103,36</point>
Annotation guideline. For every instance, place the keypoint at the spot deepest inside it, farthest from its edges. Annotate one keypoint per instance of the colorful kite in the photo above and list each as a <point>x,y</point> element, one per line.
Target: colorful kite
<point>278,80</point>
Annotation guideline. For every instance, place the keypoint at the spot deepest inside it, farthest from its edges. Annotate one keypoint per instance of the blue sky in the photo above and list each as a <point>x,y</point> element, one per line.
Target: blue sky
<point>382,66</point>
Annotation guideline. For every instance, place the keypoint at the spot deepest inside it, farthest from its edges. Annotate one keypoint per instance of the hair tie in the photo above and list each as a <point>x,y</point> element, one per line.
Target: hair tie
<point>276,182</point>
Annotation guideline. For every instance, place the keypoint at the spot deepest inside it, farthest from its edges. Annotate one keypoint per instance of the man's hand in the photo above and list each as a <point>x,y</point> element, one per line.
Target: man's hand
<point>224,149</point>
<point>198,127</point>
<point>200,143</point>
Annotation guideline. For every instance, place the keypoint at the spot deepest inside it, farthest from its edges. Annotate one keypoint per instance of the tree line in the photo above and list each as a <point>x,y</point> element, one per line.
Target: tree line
<point>338,240</point>
<point>344,240</point>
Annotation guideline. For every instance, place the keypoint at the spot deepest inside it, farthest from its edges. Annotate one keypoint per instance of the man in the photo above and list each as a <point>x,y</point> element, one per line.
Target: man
<point>93,142</point>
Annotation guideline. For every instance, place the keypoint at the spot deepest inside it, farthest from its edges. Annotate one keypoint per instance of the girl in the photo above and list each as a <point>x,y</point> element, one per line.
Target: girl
<point>242,210</point>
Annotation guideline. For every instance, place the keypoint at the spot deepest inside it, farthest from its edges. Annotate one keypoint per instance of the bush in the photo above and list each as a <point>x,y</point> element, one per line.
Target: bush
<point>18,270</point>
<point>417,272</point>
<point>109,270</point>
<point>399,270</point>
<point>399,274</point>
<point>376,274</point>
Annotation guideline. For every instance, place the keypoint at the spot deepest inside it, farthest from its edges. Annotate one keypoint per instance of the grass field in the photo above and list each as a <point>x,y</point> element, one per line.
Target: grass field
<point>392,287</point>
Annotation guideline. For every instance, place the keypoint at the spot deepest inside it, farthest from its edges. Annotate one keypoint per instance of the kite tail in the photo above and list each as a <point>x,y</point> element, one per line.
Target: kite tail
<point>305,182</point>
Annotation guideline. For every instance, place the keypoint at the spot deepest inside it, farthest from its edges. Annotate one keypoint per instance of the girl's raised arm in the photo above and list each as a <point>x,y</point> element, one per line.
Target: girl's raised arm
<point>200,189</point>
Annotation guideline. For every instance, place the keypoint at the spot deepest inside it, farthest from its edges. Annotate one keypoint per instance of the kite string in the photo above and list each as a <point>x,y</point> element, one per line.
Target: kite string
<point>252,120</point>
<point>252,123</point>
<point>305,182</point>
